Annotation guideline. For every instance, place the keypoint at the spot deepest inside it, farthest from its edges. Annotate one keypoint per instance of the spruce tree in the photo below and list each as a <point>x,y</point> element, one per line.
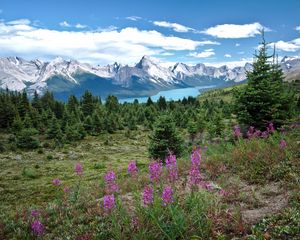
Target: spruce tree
<point>165,138</point>
<point>264,99</point>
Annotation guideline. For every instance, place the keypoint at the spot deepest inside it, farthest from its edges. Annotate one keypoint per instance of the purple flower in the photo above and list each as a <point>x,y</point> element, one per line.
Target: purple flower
<point>250,132</point>
<point>35,213</point>
<point>167,195</point>
<point>282,144</point>
<point>132,168</point>
<point>148,195</point>
<point>270,128</point>
<point>109,202</point>
<point>171,165</point>
<point>78,169</point>
<point>155,169</point>
<point>67,189</point>
<point>37,228</point>
<point>265,134</point>
<point>110,182</point>
<point>237,131</point>
<point>194,175</point>
<point>257,133</point>
<point>56,182</point>
<point>196,157</point>
<point>222,192</point>
<point>110,176</point>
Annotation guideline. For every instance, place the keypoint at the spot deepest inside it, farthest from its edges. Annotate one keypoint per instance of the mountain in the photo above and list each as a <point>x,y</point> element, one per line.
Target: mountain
<point>148,76</point>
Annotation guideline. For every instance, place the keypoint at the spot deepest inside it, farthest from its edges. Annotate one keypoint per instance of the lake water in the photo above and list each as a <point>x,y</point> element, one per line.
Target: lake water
<point>174,94</point>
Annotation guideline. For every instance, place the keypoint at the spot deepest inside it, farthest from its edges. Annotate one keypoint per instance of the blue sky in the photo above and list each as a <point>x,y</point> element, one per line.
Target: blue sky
<point>190,31</point>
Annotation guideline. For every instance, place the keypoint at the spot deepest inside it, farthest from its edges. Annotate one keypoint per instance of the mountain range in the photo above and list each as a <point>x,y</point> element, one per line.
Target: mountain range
<point>147,77</point>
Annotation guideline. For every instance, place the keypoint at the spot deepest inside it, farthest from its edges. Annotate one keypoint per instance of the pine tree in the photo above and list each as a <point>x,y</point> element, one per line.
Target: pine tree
<point>165,138</point>
<point>264,99</point>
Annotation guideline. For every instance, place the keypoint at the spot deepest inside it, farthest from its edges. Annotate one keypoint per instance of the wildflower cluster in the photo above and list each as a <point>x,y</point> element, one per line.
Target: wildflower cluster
<point>155,171</point>
<point>171,165</point>
<point>148,195</point>
<point>110,182</point>
<point>194,173</point>
<point>132,168</point>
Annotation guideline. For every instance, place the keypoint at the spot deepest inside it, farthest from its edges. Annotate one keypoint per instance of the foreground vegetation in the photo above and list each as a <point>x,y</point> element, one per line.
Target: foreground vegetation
<point>234,179</point>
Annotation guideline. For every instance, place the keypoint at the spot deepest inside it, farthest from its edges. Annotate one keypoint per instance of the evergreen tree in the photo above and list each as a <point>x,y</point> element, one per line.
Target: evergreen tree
<point>192,129</point>
<point>27,139</point>
<point>54,130</point>
<point>17,124</point>
<point>264,99</point>
<point>162,103</point>
<point>87,104</point>
<point>165,138</point>
<point>149,102</point>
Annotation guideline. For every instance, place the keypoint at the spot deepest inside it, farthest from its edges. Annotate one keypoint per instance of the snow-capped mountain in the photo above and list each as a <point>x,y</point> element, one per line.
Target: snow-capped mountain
<point>148,75</point>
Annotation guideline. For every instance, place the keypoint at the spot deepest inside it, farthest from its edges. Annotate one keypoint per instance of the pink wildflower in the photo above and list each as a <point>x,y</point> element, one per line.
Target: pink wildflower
<point>171,165</point>
<point>132,168</point>
<point>155,169</point>
<point>37,228</point>
<point>110,181</point>
<point>196,157</point>
<point>270,128</point>
<point>110,176</point>
<point>265,134</point>
<point>56,182</point>
<point>237,131</point>
<point>67,189</point>
<point>167,195</point>
<point>148,195</point>
<point>109,202</point>
<point>282,144</point>
<point>78,169</point>
<point>34,213</point>
<point>250,132</point>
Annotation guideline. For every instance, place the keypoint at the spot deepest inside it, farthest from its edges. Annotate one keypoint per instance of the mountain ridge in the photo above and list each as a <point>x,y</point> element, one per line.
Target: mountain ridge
<point>145,77</point>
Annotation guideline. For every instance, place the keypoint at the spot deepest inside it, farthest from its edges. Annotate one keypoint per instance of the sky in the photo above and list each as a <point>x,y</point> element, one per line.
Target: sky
<point>100,32</point>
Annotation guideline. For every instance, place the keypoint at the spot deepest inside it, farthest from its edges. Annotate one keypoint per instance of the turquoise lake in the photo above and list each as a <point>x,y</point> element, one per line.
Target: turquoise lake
<point>174,94</point>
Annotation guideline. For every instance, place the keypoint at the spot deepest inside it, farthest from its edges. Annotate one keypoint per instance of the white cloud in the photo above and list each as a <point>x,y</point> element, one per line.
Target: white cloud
<point>206,53</point>
<point>237,44</point>
<point>125,45</point>
<point>22,21</point>
<point>235,30</point>
<point>80,26</point>
<point>65,24</point>
<point>230,64</point>
<point>167,54</point>
<point>133,18</point>
<point>175,26</point>
<point>290,46</point>
<point>298,28</point>
<point>227,55</point>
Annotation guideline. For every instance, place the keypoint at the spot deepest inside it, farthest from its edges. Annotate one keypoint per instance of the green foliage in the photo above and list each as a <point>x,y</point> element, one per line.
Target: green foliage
<point>26,139</point>
<point>164,138</point>
<point>265,98</point>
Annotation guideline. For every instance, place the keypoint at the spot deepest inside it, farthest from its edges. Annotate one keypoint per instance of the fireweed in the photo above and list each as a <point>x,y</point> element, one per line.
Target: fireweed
<point>237,131</point>
<point>37,228</point>
<point>109,202</point>
<point>78,169</point>
<point>132,168</point>
<point>155,170</point>
<point>110,182</point>
<point>270,128</point>
<point>148,195</point>
<point>56,182</point>
<point>171,165</point>
<point>282,144</point>
<point>194,173</point>
<point>167,196</point>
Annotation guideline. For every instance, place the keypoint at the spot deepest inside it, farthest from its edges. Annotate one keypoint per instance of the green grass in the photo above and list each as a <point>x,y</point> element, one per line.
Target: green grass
<point>26,176</point>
